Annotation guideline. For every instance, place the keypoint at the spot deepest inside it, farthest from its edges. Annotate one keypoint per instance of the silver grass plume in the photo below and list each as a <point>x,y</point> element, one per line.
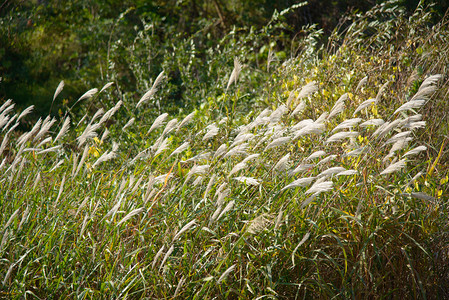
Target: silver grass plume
<point>5,105</point>
<point>315,154</point>
<point>259,224</point>
<point>348,173</point>
<point>180,149</point>
<point>247,180</point>
<point>46,125</point>
<point>307,90</point>
<point>299,108</point>
<point>88,94</point>
<point>362,82</point>
<point>276,115</point>
<point>183,229</point>
<point>131,214</point>
<point>58,90</point>
<point>212,131</point>
<point>129,123</point>
<point>25,112</point>
<point>277,142</point>
<point>171,125</point>
<point>339,106</point>
<point>282,164</point>
<point>64,129</point>
<point>364,105</point>
<point>301,168</point>
<point>97,114</point>
<point>169,252</point>
<point>156,257</point>
<point>110,112</point>
<point>81,163</point>
<point>303,240</point>
<point>235,73</point>
<point>162,147</point>
<point>412,104</point>
<point>237,150</point>
<point>105,135</point>
<point>150,93</point>
<point>381,91</point>
<point>415,151</point>
<point>209,185</point>
<point>220,151</point>
<point>397,137</point>
<point>185,121</point>
<point>347,124</point>
<point>225,274</point>
<point>107,85</point>
<point>238,167</point>
<point>301,182</point>
<point>320,187</point>
<point>372,122</point>
<point>227,208</point>
<point>337,137</point>
<point>314,128</point>
<point>158,122</point>
<point>394,167</point>
<point>331,171</point>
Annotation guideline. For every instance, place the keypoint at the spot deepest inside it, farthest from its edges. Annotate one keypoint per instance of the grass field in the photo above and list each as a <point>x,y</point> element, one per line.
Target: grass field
<point>332,183</point>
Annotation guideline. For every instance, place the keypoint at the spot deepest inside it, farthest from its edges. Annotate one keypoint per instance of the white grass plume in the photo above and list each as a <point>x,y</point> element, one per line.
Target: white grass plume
<point>331,171</point>
<point>25,112</point>
<point>129,123</point>
<point>171,125</point>
<point>259,224</point>
<point>220,151</point>
<point>301,182</point>
<point>167,255</point>
<point>413,104</point>
<point>212,131</point>
<point>247,180</point>
<point>339,106</point>
<point>301,168</point>
<point>162,147</point>
<point>58,90</point>
<point>64,129</point>
<point>372,122</point>
<point>347,124</point>
<point>237,150</point>
<point>87,94</point>
<point>361,83</point>
<point>337,137</point>
<point>238,167</point>
<point>158,122</point>
<point>299,108</point>
<point>106,86</point>
<point>225,274</point>
<point>185,121</point>
<point>156,257</point>
<point>364,105</point>
<point>183,229</point>
<point>320,187</point>
<point>315,154</point>
<point>415,151</point>
<point>235,73</point>
<point>277,142</point>
<point>150,93</point>
<point>307,90</point>
<point>5,105</point>
<point>314,128</point>
<point>180,149</point>
<point>394,167</point>
<point>282,164</point>
<point>276,115</point>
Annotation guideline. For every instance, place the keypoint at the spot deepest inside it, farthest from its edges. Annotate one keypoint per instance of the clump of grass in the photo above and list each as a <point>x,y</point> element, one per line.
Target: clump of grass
<point>321,194</point>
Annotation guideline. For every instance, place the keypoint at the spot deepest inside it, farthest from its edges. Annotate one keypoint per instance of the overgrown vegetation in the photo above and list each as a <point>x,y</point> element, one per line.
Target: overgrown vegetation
<point>323,175</point>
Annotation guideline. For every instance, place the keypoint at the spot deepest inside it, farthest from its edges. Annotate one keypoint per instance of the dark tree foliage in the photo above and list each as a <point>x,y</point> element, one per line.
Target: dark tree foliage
<point>86,43</point>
